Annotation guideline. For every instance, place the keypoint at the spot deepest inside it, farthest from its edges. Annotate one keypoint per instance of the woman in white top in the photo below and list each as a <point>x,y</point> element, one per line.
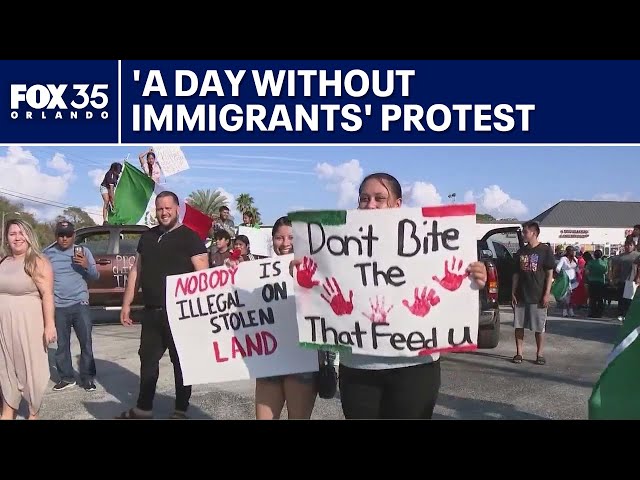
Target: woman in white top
<point>149,165</point>
<point>568,264</point>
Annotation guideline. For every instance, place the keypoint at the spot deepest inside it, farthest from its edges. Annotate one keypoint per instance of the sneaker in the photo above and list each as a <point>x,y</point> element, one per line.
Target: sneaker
<point>61,385</point>
<point>89,386</point>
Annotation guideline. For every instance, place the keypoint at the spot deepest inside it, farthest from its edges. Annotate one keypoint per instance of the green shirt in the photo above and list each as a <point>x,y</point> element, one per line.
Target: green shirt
<point>597,271</point>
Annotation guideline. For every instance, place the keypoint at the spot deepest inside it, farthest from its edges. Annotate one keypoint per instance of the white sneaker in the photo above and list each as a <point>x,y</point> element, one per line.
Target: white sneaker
<point>621,319</point>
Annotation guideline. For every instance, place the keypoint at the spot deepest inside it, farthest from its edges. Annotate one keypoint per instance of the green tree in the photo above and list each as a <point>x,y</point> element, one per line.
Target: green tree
<point>244,202</point>
<point>484,218</point>
<point>208,202</point>
<point>78,217</point>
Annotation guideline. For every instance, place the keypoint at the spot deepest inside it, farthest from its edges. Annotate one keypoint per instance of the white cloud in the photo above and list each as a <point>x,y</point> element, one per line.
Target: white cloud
<point>59,163</point>
<point>421,194</point>
<point>97,175</point>
<point>615,197</point>
<point>22,174</point>
<point>468,197</point>
<point>344,179</point>
<point>495,201</point>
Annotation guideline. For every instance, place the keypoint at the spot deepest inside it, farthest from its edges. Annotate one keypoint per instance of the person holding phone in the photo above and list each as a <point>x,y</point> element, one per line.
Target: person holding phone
<point>73,266</point>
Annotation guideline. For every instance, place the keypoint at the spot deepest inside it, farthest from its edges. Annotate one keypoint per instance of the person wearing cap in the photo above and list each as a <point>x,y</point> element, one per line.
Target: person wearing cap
<point>73,266</point>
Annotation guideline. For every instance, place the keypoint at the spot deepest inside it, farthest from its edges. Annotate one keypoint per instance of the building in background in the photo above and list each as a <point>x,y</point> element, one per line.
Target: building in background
<point>589,225</point>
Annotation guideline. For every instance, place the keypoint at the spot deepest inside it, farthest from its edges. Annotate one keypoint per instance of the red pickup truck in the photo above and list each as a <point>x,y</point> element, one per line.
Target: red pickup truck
<point>114,249</point>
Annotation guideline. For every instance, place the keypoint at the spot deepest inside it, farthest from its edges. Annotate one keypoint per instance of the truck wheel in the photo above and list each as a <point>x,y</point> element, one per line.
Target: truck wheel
<point>490,337</point>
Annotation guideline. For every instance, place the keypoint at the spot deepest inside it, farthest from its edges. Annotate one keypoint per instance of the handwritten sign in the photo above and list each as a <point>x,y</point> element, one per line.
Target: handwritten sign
<point>390,282</point>
<point>260,240</point>
<point>237,323</point>
<point>171,159</point>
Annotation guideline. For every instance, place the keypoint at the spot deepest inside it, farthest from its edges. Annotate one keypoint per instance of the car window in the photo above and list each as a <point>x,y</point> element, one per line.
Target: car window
<point>501,251</point>
<point>128,242</point>
<point>97,243</point>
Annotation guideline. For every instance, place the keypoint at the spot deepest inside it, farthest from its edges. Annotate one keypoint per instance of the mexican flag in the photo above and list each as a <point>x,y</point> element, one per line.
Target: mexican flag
<point>135,203</point>
<point>616,395</point>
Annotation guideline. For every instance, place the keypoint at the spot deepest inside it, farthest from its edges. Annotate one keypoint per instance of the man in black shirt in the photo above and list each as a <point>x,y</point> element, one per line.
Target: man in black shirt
<point>168,249</point>
<point>531,291</point>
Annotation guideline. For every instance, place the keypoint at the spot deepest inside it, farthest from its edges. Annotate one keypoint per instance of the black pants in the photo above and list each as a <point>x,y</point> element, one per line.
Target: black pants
<point>155,339</point>
<point>596,299</point>
<point>623,303</point>
<point>396,393</point>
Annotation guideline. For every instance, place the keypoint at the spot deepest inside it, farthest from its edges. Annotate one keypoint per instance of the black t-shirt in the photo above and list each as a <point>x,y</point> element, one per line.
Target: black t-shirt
<point>110,178</point>
<point>164,254</point>
<point>532,267</point>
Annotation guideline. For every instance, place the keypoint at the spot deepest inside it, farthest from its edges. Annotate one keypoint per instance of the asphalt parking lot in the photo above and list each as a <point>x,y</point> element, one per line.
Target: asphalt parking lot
<point>479,385</point>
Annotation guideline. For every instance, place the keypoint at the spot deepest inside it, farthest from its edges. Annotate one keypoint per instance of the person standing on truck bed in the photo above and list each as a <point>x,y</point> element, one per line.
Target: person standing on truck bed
<point>531,290</point>
<point>168,249</point>
<point>73,266</point>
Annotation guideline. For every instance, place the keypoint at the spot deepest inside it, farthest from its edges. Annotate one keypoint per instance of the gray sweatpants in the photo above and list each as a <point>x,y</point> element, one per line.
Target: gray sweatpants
<point>531,316</point>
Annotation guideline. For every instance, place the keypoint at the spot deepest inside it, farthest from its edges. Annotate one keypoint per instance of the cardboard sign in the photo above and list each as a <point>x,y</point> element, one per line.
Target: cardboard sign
<point>260,240</point>
<point>237,323</point>
<point>390,283</point>
<point>171,159</point>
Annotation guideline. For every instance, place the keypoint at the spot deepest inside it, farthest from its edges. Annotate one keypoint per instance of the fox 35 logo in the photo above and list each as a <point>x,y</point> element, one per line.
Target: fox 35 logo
<point>44,102</point>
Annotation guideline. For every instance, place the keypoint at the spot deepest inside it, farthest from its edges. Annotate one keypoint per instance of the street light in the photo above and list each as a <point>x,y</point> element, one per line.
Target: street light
<point>452,197</point>
<point>3,215</point>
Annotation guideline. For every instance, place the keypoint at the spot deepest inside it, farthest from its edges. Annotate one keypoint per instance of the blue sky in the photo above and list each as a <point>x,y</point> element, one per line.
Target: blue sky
<point>503,181</point>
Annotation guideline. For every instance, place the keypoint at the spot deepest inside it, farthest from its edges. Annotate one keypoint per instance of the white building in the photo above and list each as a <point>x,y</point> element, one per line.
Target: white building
<point>589,225</point>
<point>595,224</point>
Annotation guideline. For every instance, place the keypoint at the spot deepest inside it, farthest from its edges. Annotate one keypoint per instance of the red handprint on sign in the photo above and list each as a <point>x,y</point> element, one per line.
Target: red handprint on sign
<point>422,304</point>
<point>378,313</point>
<point>338,304</point>
<point>452,279</point>
<point>305,274</point>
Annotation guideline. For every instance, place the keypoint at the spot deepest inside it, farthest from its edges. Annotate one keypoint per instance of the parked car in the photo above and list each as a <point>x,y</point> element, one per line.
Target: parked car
<point>495,250</point>
<point>114,249</point>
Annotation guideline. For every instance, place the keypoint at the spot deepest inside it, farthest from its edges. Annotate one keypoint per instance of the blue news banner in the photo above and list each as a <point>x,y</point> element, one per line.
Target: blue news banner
<point>385,102</point>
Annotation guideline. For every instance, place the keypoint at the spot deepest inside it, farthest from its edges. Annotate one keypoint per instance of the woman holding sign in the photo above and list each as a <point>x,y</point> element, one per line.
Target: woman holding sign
<point>373,387</point>
<point>297,390</point>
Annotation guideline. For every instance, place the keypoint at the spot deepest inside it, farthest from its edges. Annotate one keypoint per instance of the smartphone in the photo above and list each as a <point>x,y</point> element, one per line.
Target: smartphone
<point>77,251</point>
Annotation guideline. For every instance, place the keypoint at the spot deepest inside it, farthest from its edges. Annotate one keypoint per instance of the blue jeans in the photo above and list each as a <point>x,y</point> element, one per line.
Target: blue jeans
<point>77,316</point>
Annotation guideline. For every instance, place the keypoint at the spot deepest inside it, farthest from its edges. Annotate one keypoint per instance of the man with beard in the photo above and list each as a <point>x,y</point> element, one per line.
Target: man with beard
<point>168,249</point>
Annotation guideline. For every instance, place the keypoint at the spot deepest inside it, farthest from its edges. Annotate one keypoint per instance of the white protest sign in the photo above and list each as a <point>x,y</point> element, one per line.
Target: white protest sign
<point>389,282</point>
<point>237,323</point>
<point>260,240</point>
<point>171,159</point>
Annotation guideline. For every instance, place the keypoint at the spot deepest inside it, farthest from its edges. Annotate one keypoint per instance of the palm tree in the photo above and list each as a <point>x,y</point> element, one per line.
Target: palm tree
<point>253,210</point>
<point>244,202</point>
<point>208,201</point>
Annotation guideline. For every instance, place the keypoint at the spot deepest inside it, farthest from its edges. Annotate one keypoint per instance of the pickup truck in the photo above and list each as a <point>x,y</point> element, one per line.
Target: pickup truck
<point>496,249</point>
<point>114,248</point>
